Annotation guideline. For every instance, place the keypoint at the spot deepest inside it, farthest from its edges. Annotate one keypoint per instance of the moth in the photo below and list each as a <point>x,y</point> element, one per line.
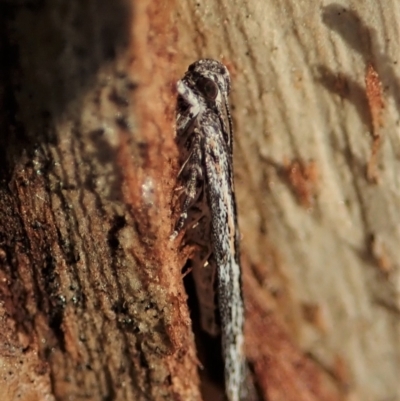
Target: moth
<point>208,215</point>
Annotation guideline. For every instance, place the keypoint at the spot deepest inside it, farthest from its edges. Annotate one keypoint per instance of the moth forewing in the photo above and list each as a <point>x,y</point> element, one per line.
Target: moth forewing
<point>204,138</point>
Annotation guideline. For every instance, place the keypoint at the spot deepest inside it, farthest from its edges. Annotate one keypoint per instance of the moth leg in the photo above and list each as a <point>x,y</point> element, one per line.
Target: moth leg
<point>184,164</point>
<point>194,175</point>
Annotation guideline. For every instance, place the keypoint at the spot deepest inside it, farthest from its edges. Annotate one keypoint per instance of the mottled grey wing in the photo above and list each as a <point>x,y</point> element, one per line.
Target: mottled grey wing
<point>225,250</point>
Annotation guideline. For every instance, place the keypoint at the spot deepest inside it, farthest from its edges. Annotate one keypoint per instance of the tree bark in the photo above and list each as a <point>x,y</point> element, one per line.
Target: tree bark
<point>316,100</point>
<point>92,298</point>
<point>93,304</point>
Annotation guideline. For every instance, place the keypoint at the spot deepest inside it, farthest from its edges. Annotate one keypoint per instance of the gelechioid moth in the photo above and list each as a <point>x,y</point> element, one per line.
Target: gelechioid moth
<point>208,208</point>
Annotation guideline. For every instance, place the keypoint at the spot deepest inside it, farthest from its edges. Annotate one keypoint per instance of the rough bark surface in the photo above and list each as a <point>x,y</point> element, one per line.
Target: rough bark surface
<point>316,113</point>
<point>92,303</point>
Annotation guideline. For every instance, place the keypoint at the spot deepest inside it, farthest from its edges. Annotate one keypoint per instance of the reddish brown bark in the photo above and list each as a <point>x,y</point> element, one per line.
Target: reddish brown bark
<point>93,304</point>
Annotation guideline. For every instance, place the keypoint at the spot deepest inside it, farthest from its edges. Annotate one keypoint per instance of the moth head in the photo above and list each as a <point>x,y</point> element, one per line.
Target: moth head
<point>207,84</point>
<point>211,77</point>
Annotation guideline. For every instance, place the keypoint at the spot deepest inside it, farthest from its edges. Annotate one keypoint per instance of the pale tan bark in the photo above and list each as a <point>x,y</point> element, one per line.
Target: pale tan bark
<point>316,100</point>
